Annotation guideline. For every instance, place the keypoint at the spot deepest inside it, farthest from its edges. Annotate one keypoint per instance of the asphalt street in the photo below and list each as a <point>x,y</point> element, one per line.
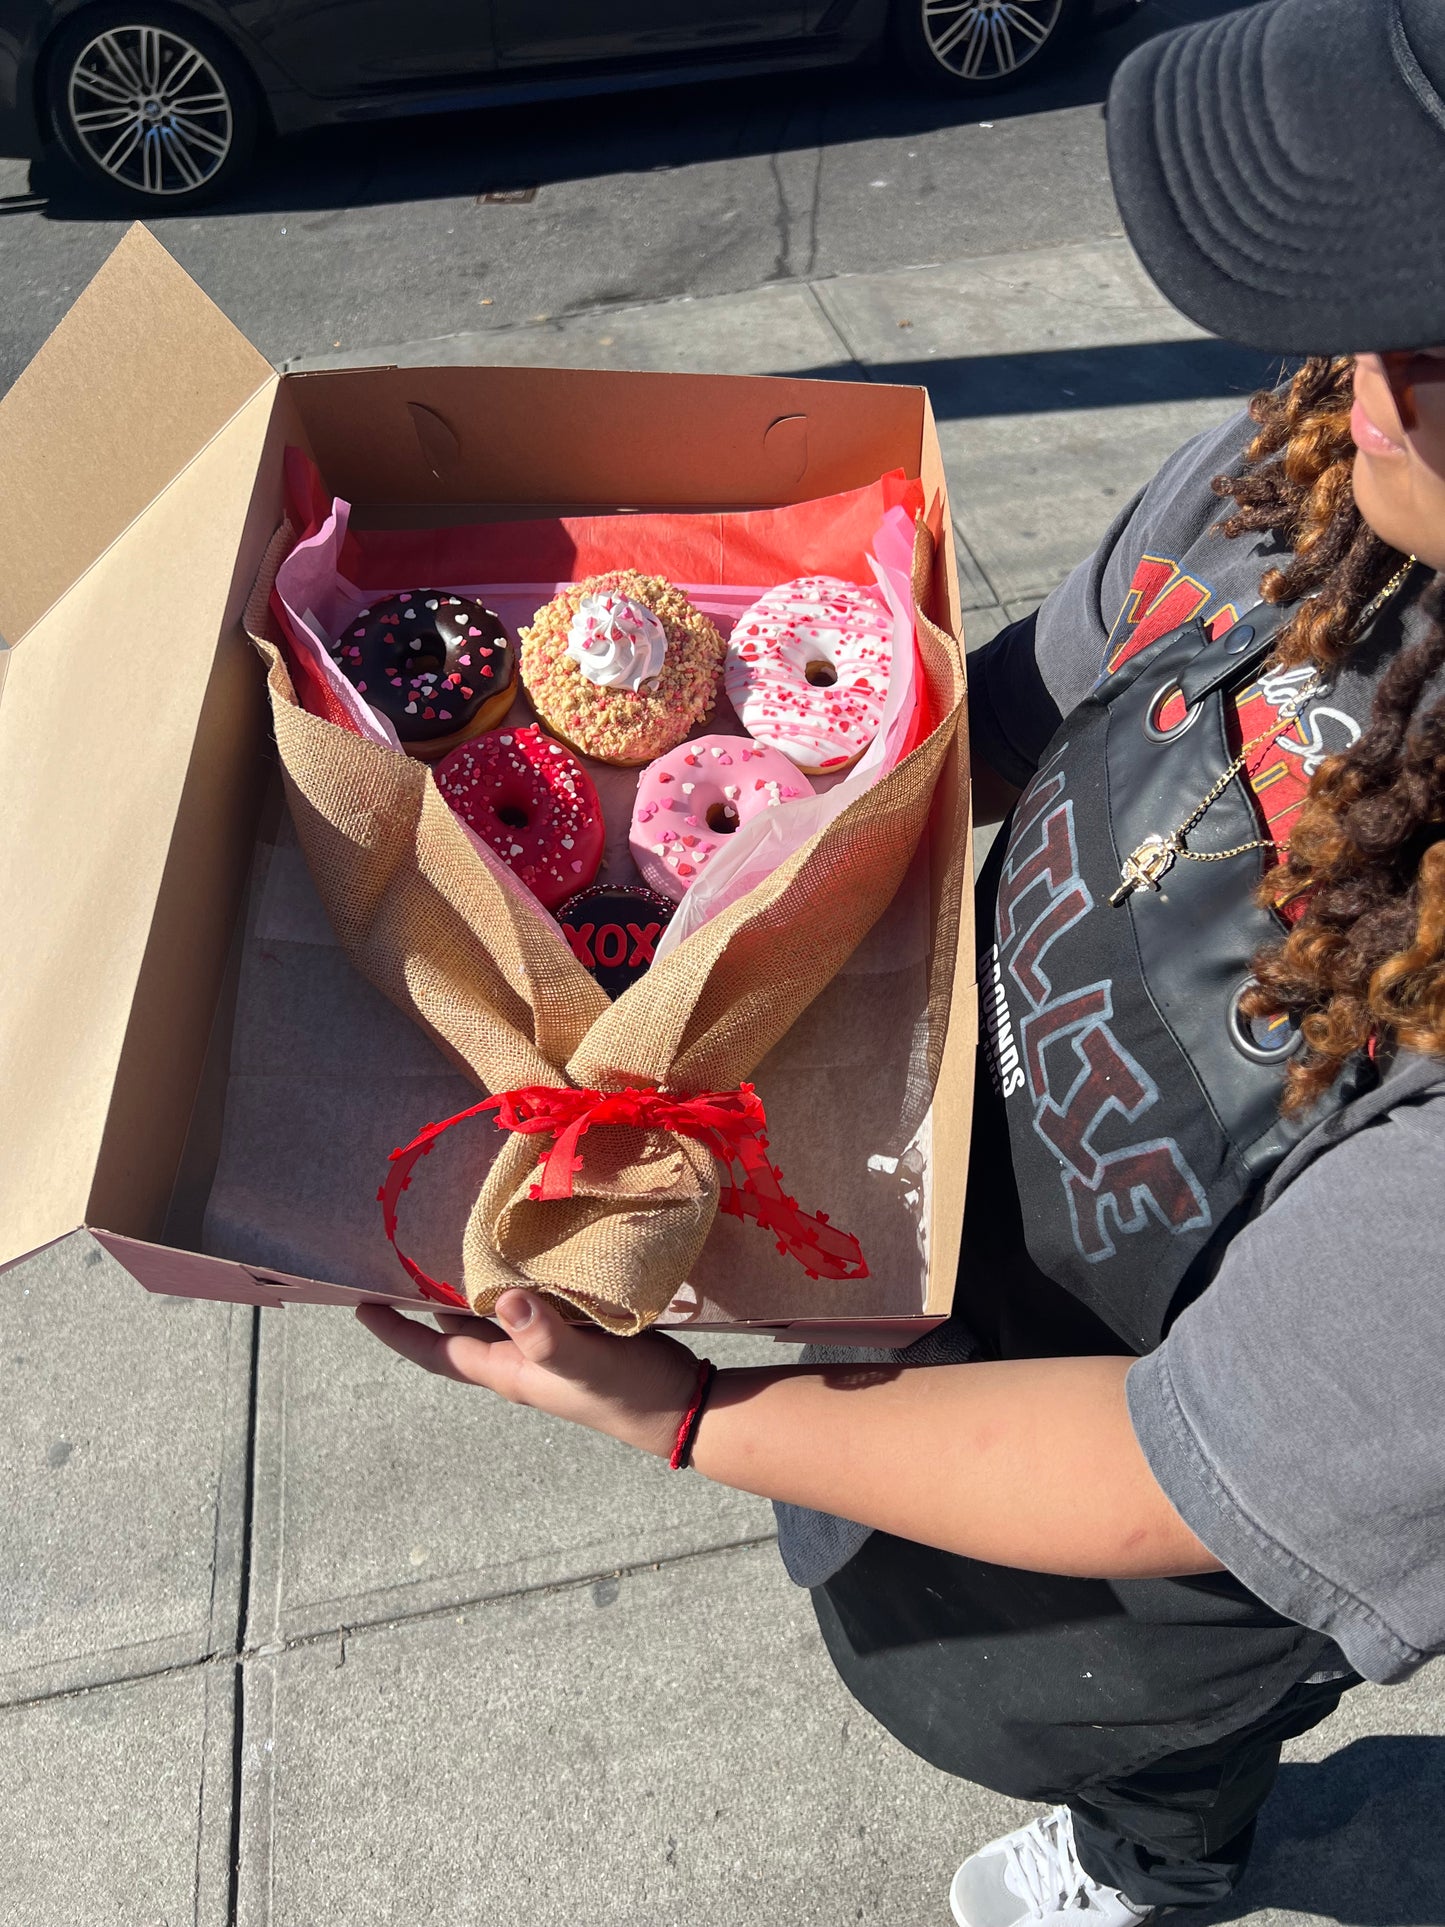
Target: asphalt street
<point>383,234</point>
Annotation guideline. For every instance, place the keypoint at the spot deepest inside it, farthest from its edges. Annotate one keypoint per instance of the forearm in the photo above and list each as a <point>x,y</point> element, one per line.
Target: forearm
<point>1029,1463</point>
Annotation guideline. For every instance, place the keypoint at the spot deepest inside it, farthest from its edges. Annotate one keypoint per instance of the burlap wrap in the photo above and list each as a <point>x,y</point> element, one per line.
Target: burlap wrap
<point>450,937</point>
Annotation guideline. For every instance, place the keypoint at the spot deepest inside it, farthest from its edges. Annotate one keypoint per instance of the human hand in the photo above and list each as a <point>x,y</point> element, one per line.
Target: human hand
<point>633,1389</point>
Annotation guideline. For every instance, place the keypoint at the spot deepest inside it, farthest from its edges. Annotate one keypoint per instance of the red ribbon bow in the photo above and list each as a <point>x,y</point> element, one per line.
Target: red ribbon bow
<point>731,1124</point>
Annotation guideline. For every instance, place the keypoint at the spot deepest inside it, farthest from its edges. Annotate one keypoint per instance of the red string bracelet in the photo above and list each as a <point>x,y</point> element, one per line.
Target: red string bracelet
<point>692,1417</point>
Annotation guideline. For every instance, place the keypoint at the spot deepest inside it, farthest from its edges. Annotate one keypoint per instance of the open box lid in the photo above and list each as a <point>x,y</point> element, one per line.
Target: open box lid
<point>136,379</point>
<point>129,451</point>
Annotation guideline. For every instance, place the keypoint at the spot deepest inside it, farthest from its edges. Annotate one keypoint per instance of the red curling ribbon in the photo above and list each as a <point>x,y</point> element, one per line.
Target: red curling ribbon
<point>731,1124</point>
<point>403,1162</point>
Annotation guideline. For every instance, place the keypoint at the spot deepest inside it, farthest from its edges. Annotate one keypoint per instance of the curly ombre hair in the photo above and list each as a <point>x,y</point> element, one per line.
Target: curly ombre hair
<point>1365,866</point>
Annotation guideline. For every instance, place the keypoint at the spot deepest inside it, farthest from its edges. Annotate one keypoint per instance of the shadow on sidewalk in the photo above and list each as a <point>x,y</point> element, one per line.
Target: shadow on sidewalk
<point>1355,1838</point>
<point>1048,380</point>
<point>502,148</point>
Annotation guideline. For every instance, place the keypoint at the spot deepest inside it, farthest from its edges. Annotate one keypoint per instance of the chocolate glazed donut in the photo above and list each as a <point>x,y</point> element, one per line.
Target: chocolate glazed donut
<point>440,668</point>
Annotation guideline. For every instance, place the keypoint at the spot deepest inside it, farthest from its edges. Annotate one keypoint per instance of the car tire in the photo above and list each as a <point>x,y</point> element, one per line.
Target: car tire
<point>983,46</point>
<point>150,107</point>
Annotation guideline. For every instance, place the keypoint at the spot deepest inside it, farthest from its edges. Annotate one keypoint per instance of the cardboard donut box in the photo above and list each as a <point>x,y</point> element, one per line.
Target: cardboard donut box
<point>140,484</point>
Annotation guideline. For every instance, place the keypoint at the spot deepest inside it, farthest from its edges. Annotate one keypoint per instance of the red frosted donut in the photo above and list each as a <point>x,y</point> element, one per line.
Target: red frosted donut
<point>533,802</point>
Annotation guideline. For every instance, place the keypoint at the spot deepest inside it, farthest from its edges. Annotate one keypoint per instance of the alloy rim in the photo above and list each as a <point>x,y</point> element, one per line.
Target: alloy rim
<point>150,110</point>
<point>988,39</point>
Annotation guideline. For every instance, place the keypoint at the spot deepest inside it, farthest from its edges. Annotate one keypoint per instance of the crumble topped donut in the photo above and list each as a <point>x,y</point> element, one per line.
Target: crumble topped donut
<point>691,800</point>
<point>533,802</point>
<point>621,666</point>
<point>807,670</point>
<point>439,667</point>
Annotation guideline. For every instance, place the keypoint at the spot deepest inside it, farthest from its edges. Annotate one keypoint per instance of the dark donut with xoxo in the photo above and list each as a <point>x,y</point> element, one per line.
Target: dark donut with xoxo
<point>613,930</point>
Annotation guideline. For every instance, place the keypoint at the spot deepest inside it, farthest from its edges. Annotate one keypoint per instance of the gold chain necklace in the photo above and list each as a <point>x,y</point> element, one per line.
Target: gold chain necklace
<point>1156,856</point>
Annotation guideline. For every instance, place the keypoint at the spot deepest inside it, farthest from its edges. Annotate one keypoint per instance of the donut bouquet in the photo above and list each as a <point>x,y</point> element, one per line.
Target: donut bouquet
<point>604,837</point>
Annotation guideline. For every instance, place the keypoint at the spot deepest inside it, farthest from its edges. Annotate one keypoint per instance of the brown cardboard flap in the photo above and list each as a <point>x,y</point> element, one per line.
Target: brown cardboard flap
<point>543,436</point>
<point>129,714</point>
<point>189,1274</point>
<point>132,384</point>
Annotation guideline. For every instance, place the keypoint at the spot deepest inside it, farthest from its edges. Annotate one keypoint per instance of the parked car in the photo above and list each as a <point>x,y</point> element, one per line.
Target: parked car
<point>164,105</point>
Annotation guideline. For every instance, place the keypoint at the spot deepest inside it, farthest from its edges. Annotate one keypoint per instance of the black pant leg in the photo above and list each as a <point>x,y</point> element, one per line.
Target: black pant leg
<point>1178,1833</point>
<point>1154,1708</point>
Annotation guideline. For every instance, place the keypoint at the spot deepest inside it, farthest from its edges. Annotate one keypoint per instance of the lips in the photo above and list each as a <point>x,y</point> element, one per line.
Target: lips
<point>1368,438</point>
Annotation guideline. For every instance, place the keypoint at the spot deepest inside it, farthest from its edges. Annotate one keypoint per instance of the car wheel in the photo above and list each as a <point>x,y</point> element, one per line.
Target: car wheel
<point>150,106</point>
<point>982,46</point>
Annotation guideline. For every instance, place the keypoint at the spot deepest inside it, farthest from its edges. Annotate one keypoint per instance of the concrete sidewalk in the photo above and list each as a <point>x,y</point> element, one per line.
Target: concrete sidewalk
<point>294,1635</point>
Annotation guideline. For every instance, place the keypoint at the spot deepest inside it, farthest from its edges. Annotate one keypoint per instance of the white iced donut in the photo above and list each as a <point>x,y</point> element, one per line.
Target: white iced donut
<point>807,670</point>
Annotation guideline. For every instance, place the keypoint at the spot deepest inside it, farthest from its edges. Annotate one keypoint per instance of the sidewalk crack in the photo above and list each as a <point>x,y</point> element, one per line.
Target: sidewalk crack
<point>352,1628</point>
<point>238,1767</point>
<point>815,211</point>
<point>782,224</point>
<point>345,1631</point>
<point>820,308</point>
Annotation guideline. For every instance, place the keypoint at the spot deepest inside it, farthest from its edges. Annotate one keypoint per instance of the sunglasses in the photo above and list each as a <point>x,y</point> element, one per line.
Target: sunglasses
<point>1406,372</point>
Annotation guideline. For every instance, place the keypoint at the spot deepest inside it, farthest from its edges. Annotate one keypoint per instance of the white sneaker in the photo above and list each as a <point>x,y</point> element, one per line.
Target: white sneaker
<point>1034,1876</point>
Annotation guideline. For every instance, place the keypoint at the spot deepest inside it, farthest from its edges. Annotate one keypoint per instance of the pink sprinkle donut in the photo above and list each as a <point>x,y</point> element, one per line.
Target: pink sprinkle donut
<point>807,670</point>
<point>691,800</point>
<point>534,803</point>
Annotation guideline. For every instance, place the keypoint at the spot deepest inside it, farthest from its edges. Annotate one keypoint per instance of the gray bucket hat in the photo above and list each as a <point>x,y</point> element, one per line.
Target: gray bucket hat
<point>1281,172</point>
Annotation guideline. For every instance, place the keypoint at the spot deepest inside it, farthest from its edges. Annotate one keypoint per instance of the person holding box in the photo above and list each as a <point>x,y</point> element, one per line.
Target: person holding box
<point>1168,1482</point>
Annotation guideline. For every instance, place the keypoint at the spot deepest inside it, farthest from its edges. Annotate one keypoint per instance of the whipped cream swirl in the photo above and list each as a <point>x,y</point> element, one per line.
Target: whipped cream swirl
<point>616,642</point>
